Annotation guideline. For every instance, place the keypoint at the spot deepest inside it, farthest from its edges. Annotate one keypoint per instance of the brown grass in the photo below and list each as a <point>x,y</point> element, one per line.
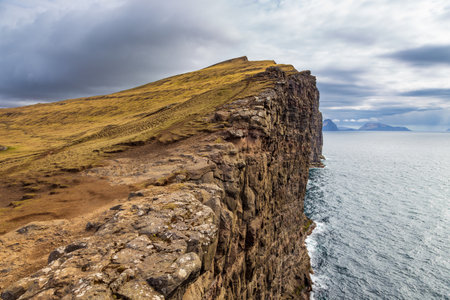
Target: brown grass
<point>47,144</point>
<point>75,134</point>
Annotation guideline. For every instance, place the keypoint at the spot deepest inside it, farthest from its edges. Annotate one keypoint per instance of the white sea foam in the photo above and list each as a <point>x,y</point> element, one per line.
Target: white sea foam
<point>311,246</point>
<point>311,240</point>
<point>319,282</point>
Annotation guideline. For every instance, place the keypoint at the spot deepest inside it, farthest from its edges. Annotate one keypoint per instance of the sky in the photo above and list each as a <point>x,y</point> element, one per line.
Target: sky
<point>385,61</point>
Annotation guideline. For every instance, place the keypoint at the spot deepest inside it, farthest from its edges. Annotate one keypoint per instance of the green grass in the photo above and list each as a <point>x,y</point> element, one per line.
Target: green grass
<point>76,134</point>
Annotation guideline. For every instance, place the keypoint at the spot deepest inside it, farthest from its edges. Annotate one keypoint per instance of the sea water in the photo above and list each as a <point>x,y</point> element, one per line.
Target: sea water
<point>382,209</point>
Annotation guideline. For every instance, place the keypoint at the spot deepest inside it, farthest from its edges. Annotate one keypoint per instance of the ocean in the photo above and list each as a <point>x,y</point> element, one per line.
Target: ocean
<point>382,209</point>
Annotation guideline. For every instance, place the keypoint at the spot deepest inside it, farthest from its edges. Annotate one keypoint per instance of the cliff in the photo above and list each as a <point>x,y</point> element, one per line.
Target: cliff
<point>217,214</point>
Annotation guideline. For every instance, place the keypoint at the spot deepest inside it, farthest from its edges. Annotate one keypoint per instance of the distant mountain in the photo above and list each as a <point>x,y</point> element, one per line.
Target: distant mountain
<point>448,130</point>
<point>329,125</point>
<point>381,127</point>
<point>346,129</point>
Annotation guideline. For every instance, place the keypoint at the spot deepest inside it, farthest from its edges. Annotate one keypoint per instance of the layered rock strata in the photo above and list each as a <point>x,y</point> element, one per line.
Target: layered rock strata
<point>219,215</point>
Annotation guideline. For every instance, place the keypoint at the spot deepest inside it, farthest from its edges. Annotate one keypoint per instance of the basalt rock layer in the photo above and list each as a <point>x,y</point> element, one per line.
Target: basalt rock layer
<point>219,214</point>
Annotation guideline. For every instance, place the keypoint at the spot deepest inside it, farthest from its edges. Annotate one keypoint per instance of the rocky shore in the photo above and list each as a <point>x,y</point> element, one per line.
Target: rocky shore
<point>218,215</point>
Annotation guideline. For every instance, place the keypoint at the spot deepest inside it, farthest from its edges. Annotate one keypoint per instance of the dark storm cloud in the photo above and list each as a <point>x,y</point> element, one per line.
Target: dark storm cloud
<point>423,56</point>
<point>435,93</point>
<point>98,50</point>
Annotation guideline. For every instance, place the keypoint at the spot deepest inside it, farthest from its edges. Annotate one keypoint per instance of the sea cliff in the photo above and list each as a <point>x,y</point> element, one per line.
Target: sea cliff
<point>217,215</point>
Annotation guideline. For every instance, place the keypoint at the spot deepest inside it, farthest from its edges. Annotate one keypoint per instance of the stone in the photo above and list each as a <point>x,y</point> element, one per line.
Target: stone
<point>92,226</point>
<point>184,266</point>
<point>135,194</point>
<point>28,228</point>
<point>116,207</point>
<point>235,133</point>
<point>55,254</point>
<point>221,116</point>
<point>75,246</point>
<point>138,290</point>
<point>19,288</point>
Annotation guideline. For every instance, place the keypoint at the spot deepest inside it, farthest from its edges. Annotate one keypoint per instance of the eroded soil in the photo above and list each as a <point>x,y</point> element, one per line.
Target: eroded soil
<point>60,207</point>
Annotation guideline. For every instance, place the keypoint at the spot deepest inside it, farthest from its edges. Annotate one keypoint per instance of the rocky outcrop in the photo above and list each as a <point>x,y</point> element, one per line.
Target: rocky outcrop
<point>329,125</point>
<point>219,215</point>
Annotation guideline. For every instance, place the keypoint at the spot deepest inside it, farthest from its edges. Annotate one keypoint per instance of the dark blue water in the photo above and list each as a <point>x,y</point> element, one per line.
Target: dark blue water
<point>382,208</point>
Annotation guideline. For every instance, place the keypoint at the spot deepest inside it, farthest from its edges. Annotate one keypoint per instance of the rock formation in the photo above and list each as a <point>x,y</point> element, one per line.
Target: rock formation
<point>219,215</point>
<point>329,125</point>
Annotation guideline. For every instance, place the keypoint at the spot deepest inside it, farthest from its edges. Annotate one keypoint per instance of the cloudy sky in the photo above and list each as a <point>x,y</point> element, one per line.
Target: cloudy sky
<point>383,60</point>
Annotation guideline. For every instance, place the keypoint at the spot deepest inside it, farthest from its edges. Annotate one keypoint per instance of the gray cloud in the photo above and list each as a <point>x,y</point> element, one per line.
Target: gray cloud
<point>344,89</point>
<point>446,14</point>
<point>341,74</point>
<point>422,120</point>
<point>440,93</point>
<point>351,35</point>
<point>99,50</point>
<point>423,56</point>
<point>342,94</point>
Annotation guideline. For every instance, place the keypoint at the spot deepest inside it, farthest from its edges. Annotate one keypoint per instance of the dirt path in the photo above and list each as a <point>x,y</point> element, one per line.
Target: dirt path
<point>62,196</point>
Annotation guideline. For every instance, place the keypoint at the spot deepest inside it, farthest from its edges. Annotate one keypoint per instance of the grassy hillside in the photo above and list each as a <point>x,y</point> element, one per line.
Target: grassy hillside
<point>78,133</point>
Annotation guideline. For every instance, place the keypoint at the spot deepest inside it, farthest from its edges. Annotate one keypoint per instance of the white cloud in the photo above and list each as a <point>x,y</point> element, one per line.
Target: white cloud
<point>343,42</point>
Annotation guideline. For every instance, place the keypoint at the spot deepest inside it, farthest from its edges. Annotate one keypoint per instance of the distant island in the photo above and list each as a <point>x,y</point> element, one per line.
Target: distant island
<point>346,129</point>
<point>381,127</point>
<point>329,125</point>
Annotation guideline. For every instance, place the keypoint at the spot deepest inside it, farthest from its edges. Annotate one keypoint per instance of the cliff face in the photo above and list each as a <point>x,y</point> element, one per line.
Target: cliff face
<point>219,216</point>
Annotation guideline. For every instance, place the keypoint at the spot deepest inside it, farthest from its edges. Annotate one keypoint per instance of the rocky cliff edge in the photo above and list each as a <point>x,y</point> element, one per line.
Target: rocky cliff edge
<point>219,215</point>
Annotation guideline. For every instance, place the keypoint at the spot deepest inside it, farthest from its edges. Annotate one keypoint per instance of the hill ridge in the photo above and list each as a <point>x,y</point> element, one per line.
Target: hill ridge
<point>130,116</point>
<point>177,217</point>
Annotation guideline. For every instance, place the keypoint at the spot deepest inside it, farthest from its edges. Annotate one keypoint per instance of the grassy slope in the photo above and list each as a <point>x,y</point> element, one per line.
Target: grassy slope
<point>78,133</point>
